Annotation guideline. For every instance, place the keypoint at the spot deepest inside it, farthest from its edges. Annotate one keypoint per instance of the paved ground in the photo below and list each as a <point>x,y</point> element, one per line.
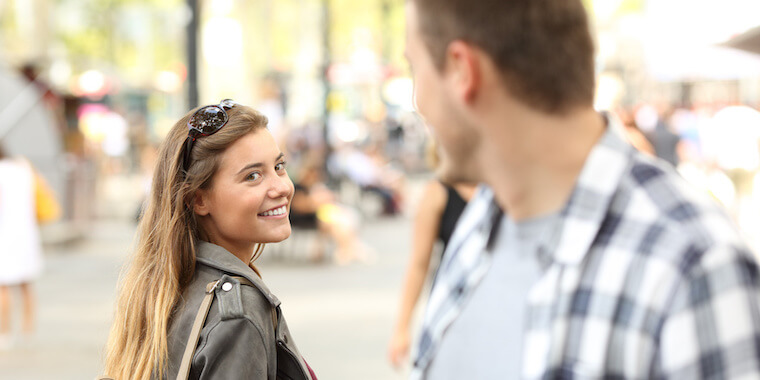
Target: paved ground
<point>341,317</point>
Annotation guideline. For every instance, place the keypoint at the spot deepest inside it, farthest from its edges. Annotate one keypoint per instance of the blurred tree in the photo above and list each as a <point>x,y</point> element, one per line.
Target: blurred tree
<point>135,37</point>
<point>377,23</point>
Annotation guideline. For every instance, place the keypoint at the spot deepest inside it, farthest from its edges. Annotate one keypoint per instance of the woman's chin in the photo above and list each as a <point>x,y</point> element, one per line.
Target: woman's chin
<point>280,235</point>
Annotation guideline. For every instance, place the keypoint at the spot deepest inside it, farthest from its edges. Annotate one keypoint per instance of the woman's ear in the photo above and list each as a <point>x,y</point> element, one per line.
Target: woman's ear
<point>200,203</point>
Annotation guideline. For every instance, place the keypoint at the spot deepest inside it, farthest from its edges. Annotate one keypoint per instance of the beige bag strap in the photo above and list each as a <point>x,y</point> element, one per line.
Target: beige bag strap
<point>195,333</point>
<point>200,320</point>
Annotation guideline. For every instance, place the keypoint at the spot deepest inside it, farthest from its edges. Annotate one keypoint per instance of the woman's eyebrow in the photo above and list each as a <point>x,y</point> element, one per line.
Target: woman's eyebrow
<point>258,164</point>
<point>250,166</point>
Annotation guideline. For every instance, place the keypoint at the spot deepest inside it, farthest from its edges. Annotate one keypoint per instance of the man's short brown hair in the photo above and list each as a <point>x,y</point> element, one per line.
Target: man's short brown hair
<point>543,48</point>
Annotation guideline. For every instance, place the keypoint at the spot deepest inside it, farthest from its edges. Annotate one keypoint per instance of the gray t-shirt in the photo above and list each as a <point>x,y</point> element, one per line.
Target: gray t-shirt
<point>485,341</point>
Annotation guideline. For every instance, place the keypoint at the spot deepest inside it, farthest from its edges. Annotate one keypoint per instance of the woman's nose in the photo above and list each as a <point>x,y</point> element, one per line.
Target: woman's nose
<point>281,187</point>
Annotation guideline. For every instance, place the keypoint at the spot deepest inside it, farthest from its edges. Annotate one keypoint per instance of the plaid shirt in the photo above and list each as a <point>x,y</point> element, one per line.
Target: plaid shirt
<point>643,277</point>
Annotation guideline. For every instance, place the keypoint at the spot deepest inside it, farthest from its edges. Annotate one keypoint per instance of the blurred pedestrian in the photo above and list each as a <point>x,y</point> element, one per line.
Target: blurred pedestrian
<point>606,263</point>
<point>20,246</point>
<point>633,133</point>
<point>437,213</point>
<point>664,140</point>
<point>220,191</point>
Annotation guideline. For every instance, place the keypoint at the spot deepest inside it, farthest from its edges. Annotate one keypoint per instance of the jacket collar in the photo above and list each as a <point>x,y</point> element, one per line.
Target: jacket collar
<point>212,255</point>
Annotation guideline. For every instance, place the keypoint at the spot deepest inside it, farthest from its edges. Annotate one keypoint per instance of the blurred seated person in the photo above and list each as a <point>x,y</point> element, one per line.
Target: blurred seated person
<point>389,182</point>
<point>314,206</point>
<point>370,170</point>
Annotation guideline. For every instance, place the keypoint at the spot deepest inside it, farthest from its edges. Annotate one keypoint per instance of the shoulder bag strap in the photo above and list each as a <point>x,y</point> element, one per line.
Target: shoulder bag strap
<point>195,333</point>
<point>200,320</point>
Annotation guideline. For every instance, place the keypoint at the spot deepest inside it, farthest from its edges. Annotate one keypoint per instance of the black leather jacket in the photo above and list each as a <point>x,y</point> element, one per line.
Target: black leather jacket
<point>238,340</point>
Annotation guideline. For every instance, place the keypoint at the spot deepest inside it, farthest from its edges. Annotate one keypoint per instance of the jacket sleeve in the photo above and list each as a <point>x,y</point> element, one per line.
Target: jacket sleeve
<point>233,349</point>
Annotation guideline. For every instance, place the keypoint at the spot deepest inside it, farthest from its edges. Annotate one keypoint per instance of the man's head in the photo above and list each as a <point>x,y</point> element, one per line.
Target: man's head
<point>537,53</point>
<point>542,48</point>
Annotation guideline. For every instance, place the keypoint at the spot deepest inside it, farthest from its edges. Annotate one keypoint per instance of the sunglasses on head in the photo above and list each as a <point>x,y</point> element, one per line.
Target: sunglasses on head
<point>206,121</point>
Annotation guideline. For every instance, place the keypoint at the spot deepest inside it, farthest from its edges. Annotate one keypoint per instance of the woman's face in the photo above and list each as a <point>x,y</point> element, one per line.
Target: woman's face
<point>249,198</point>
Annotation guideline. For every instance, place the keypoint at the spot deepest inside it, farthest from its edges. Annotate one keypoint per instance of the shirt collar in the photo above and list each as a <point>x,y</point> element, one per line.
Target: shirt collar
<point>583,214</point>
<point>217,257</point>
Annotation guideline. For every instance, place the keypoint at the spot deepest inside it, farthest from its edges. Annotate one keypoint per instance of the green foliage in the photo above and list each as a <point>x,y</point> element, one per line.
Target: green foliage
<point>101,41</point>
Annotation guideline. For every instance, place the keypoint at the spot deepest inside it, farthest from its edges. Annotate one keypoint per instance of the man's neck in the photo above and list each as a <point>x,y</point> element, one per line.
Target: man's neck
<point>538,160</point>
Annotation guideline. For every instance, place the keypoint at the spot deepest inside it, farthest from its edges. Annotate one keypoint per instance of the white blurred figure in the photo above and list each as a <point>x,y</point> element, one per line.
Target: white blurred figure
<point>20,246</point>
<point>731,138</point>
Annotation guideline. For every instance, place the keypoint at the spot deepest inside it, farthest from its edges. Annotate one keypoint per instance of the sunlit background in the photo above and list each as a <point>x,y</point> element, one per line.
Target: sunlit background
<point>110,77</point>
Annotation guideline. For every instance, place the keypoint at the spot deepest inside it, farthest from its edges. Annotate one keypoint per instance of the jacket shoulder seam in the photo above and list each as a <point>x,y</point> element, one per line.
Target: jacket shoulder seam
<point>212,328</point>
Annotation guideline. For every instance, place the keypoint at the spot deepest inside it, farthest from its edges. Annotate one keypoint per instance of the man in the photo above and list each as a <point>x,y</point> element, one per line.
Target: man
<point>606,264</point>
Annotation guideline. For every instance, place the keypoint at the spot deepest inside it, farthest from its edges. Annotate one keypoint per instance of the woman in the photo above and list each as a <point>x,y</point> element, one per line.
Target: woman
<point>20,246</point>
<point>437,213</point>
<point>220,191</point>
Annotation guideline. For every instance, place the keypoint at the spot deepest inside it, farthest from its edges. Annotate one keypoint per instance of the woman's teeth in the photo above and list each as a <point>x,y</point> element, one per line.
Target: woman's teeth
<point>277,211</point>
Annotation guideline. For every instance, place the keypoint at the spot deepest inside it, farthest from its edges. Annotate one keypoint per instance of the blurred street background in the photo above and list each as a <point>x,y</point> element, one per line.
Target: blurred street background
<point>88,89</point>
<point>341,316</point>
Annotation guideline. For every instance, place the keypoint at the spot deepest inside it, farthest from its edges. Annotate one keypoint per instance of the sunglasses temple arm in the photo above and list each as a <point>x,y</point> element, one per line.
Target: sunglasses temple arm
<point>186,153</point>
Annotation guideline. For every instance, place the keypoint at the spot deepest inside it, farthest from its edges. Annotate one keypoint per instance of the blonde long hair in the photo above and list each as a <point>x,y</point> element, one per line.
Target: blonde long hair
<point>163,260</point>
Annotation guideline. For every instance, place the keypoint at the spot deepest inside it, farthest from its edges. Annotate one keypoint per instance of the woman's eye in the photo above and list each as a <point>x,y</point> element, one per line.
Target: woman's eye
<point>253,176</point>
<point>280,166</point>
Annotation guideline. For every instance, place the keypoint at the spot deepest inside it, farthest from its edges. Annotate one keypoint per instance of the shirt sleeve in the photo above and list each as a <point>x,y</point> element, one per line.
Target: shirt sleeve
<point>713,328</point>
<point>234,349</point>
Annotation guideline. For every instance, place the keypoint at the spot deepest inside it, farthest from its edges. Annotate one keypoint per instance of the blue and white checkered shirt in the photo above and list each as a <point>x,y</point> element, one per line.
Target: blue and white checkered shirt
<point>643,277</point>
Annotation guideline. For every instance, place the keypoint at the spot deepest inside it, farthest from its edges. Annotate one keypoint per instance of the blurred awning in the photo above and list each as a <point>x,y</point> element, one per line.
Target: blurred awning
<point>748,41</point>
<point>679,45</point>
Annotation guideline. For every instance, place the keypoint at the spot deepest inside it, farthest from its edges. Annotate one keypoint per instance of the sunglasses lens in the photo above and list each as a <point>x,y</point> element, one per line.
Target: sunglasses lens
<point>208,120</point>
<point>227,103</point>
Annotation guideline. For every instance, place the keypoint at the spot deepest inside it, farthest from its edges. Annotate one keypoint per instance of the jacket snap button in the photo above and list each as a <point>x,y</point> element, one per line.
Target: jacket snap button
<point>227,286</point>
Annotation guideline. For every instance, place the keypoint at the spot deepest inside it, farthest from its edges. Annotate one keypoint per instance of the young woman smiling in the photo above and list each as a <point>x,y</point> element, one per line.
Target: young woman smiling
<point>220,191</point>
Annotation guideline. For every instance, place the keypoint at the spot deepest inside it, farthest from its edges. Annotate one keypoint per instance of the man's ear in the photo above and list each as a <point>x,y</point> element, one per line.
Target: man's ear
<point>463,66</point>
<point>200,203</point>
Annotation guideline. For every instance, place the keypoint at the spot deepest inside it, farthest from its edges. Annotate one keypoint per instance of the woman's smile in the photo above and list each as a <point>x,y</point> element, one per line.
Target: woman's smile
<point>278,212</point>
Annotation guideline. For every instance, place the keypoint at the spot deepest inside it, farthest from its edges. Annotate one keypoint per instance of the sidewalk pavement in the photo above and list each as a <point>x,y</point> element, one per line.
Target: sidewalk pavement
<point>340,316</point>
